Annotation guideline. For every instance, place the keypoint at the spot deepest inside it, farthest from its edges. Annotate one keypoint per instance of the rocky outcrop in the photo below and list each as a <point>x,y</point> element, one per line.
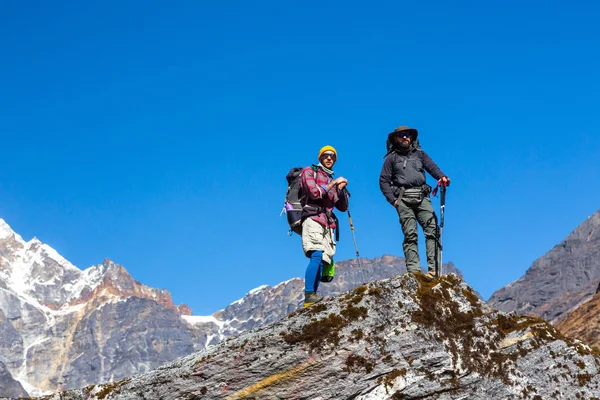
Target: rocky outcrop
<point>267,304</point>
<point>567,276</point>
<point>403,338</point>
<point>352,273</point>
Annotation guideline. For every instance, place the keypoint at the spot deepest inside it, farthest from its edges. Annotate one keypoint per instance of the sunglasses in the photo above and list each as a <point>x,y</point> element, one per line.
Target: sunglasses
<point>328,155</point>
<point>404,135</point>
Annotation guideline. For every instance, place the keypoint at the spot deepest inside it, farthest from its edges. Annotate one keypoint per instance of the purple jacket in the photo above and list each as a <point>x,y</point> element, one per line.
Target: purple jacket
<point>316,195</point>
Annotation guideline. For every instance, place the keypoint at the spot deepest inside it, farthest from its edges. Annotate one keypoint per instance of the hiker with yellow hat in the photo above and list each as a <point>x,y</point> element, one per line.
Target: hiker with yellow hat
<point>322,193</point>
<point>403,183</point>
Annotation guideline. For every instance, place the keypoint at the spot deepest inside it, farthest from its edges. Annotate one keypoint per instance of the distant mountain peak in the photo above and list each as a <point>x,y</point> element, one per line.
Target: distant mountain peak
<point>37,272</point>
<point>562,279</point>
<point>6,232</point>
<point>54,316</point>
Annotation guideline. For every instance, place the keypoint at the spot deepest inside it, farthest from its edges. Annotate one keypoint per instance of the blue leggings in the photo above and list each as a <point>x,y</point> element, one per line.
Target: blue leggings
<point>313,272</point>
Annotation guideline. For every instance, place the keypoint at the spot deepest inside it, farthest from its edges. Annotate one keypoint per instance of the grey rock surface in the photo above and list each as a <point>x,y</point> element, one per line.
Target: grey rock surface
<point>353,273</point>
<point>565,277</point>
<point>401,338</point>
<point>124,338</point>
<point>268,304</point>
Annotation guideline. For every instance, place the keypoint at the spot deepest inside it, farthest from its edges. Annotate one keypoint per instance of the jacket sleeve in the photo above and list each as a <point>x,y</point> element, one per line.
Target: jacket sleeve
<point>310,186</point>
<point>341,202</point>
<point>432,167</point>
<point>385,180</point>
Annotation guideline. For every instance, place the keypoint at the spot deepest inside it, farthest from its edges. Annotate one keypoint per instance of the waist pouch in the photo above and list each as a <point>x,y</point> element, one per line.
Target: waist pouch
<point>415,195</point>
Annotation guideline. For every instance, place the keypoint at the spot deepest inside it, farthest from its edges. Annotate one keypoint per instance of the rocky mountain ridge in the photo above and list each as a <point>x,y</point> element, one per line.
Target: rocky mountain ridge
<point>561,280</point>
<point>401,338</point>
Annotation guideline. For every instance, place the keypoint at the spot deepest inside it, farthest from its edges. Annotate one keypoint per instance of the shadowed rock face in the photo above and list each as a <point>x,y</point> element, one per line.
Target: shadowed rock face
<point>559,281</point>
<point>8,386</point>
<point>402,338</point>
<point>120,339</point>
<point>583,323</point>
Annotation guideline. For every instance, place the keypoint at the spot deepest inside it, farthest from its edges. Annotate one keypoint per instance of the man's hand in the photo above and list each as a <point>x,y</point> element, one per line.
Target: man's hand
<point>341,182</point>
<point>445,180</point>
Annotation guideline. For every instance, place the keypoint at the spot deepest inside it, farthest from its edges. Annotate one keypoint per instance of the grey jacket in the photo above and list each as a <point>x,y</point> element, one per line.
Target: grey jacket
<point>406,169</point>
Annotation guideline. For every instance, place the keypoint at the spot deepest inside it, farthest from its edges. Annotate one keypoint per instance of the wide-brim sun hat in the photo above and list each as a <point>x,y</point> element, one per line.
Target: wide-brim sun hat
<point>413,132</point>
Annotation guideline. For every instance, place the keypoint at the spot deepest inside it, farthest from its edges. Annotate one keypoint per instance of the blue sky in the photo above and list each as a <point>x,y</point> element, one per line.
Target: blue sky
<point>159,135</point>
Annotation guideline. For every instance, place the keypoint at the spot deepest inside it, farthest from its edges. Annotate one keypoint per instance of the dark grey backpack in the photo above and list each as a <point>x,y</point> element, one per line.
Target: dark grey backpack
<point>292,206</point>
<point>293,200</point>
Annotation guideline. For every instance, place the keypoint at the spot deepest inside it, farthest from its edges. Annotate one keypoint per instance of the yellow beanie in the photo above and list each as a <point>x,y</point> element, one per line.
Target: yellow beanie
<point>327,148</point>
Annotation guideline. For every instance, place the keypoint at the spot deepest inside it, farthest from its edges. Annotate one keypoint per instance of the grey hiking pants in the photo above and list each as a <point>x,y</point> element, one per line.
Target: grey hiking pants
<point>409,215</point>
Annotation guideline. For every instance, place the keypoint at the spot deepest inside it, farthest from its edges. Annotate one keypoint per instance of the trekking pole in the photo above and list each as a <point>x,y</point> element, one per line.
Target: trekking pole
<point>354,237</point>
<point>439,264</point>
<point>442,209</point>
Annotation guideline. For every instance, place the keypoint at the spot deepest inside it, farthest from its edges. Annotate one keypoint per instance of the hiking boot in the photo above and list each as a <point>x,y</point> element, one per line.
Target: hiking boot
<point>429,276</point>
<point>311,298</point>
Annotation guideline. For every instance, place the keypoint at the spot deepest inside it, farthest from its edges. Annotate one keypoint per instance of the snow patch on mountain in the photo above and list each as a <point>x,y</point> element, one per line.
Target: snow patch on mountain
<point>258,289</point>
<point>286,282</point>
<point>89,278</point>
<point>53,254</point>
<point>19,277</point>
<point>6,232</point>
<point>198,319</point>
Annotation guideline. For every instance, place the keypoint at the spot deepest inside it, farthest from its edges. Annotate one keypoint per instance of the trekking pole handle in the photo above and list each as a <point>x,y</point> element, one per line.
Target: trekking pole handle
<point>440,185</point>
<point>442,202</point>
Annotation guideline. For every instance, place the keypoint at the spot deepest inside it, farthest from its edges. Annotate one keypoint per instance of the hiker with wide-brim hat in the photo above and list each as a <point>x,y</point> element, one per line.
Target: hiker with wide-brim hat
<point>322,193</point>
<point>403,183</point>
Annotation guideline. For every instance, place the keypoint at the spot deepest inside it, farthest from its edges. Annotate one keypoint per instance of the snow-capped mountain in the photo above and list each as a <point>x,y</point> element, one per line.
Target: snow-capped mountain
<point>64,327</point>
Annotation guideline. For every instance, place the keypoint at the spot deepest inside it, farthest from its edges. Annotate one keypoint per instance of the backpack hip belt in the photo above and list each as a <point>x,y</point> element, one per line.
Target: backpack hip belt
<point>311,211</point>
<point>414,195</point>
